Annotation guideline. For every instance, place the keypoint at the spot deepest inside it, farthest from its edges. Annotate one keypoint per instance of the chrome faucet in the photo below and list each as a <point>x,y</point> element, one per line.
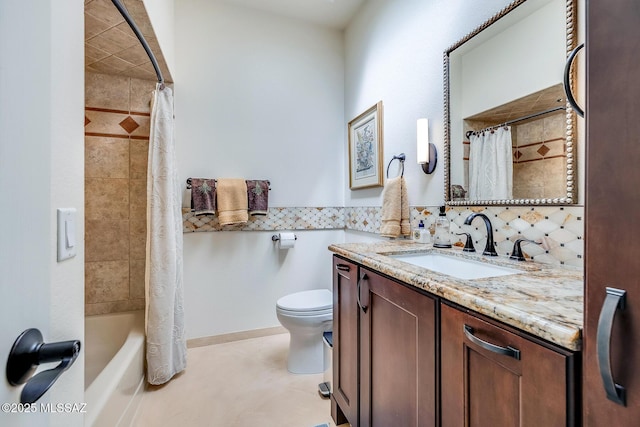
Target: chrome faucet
<point>488,249</point>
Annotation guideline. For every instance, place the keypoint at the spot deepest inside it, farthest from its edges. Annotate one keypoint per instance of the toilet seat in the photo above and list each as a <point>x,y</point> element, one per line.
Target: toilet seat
<point>306,303</point>
<point>306,315</point>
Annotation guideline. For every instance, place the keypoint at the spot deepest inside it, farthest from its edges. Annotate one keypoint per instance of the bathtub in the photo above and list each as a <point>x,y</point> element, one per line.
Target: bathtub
<point>114,360</point>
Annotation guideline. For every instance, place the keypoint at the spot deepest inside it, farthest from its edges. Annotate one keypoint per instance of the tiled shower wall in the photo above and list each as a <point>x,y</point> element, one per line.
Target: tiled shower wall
<point>117,116</point>
<point>538,149</point>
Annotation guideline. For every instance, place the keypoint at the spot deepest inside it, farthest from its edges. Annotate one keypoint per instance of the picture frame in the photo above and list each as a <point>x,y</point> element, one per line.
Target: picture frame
<point>365,149</point>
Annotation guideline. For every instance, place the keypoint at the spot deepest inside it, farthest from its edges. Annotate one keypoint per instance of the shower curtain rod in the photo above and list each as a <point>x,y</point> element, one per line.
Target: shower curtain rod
<point>125,14</point>
<point>519,119</point>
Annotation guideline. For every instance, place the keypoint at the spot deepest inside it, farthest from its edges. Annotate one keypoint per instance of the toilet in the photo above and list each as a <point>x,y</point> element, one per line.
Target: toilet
<point>306,315</point>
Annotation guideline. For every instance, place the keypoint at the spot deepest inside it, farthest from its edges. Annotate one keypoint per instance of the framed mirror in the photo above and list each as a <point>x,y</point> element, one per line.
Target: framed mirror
<point>509,131</point>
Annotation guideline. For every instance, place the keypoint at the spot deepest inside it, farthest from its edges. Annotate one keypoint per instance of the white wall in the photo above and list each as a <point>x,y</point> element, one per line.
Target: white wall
<point>394,53</point>
<point>257,96</point>
<point>524,58</point>
<point>66,104</point>
<point>41,169</point>
<point>253,89</point>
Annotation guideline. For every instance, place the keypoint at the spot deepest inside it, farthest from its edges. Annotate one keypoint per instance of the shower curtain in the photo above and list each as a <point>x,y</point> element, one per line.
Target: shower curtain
<point>166,343</point>
<point>491,165</point>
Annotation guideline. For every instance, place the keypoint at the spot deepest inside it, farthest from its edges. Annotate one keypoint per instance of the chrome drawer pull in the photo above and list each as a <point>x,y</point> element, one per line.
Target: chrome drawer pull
<point>342,267</point>
<point>505,351</point>
<point>616,298</point>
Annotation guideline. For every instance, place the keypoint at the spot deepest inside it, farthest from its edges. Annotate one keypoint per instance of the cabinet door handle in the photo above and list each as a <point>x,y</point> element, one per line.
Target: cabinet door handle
<point>505,351</point>
<point>342,267</point>
<point>567,81</point>
<point>616,299</point>
<point>362,307</point>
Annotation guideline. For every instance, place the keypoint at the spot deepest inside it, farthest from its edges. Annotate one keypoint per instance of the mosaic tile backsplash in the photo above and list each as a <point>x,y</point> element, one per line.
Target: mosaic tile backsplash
<point>559,229</point>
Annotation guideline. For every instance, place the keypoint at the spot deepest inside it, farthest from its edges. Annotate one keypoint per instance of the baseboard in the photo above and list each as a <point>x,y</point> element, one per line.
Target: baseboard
<point>234,336</point>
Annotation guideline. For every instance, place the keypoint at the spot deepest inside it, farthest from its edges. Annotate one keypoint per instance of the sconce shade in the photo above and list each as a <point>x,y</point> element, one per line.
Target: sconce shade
<point>426,152</point>
<point>423,141</point>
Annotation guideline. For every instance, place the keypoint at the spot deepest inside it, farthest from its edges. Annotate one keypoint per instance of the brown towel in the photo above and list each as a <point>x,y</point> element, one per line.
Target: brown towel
<point>395,209</point>
<point>203,196</point>
<point>232,201</point>
<point>258,195</point>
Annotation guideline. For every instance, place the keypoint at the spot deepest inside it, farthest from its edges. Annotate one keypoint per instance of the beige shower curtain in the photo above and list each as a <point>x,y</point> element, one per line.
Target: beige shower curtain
<point>166,343</point>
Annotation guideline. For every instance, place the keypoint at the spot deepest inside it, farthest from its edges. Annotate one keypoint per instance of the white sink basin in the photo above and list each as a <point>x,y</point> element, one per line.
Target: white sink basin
<point>457,267</point>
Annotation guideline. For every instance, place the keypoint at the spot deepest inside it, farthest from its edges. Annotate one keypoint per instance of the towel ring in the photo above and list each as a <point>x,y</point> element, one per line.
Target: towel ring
<point>400,157</point>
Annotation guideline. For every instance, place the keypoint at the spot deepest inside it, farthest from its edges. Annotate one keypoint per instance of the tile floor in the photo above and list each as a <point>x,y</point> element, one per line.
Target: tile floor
<point>237,384</point>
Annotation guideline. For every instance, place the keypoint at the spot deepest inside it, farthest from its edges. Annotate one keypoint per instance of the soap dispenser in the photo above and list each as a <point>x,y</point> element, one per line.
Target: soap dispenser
<point>419,232</point>
<point>442,238</point>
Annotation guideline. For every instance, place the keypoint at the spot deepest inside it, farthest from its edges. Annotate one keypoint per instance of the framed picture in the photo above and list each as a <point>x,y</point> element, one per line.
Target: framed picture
<point>365,149</point>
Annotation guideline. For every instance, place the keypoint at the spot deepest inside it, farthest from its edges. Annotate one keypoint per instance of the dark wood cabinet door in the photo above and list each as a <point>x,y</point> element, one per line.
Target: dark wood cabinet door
<point>345,342</point>
<point>493,377</point>
<point>612,209</point>
<point>398,354</point>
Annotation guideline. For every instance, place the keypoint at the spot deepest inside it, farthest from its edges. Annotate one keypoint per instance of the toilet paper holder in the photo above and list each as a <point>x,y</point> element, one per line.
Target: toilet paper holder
<point>276,237</point>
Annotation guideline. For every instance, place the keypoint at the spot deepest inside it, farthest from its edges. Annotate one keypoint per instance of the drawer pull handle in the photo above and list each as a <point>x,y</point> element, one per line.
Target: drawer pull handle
<point>567,81</point>
<point>362,307</point>
<point>506,351</point>
<point>342,267</point>
<point>616,299</point>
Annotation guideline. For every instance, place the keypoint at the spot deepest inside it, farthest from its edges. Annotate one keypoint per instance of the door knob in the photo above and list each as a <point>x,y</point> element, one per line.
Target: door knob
<point>29,351</point>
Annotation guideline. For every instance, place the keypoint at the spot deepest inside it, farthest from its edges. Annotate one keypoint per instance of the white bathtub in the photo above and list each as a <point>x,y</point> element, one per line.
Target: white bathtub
<point>114,373</point>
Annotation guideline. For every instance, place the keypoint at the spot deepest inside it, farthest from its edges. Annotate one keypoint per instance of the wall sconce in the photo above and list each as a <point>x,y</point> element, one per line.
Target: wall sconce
<point>427,154</point>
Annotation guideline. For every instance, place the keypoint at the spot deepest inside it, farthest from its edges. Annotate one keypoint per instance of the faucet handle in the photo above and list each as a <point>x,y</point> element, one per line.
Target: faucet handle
<point>516,253</point>
<point>468,246</point>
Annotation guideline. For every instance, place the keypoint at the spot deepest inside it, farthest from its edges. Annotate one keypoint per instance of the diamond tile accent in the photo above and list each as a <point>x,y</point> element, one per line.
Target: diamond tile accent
<point>543,150</point>
<point>547,226</point>
<point>562,236</point>
<point>129,124</point>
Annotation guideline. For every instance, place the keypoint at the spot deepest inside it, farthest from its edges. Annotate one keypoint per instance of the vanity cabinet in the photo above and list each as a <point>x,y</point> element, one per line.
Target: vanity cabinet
<point>495,377</point>
<point>397,354</point>
<point>384,350</point>
<point>404,357</point>
<point>344,397</point>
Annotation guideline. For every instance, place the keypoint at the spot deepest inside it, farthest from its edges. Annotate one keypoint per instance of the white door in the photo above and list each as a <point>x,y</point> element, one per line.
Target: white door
<point>41,169</point>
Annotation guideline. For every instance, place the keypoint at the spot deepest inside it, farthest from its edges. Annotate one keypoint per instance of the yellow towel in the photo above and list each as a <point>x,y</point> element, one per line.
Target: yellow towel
<point>232,201</point>
<point>395,209</point>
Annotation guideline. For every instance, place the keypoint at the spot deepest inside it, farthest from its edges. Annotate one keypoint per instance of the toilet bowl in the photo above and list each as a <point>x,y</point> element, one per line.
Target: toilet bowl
<point>306,315</point>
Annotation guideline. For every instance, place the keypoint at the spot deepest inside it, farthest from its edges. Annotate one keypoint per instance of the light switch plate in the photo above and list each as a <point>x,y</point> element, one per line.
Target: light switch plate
<point>67,239</point>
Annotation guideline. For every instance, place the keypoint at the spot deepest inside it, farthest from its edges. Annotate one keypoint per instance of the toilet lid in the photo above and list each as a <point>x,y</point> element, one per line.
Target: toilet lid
<point>314,300</point>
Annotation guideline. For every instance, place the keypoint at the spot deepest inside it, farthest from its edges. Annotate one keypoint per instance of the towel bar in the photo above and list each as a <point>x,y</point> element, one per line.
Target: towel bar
<point>215,180</point>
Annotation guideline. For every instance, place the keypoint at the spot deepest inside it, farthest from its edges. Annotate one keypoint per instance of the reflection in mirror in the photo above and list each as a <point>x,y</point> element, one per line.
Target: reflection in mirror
<point>509,133</point>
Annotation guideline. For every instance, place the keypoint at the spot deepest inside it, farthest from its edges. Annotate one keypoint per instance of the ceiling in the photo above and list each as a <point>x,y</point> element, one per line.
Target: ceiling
<point>552,97</point>
<point>331,13</point>
<point>111,47</point>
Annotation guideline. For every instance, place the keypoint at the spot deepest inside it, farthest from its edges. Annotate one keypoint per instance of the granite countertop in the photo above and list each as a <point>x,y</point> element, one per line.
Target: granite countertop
<point>545,300</point>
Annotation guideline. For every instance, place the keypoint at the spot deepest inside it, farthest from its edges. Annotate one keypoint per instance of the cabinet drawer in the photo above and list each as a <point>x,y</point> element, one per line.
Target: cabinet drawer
<point>491,376</point>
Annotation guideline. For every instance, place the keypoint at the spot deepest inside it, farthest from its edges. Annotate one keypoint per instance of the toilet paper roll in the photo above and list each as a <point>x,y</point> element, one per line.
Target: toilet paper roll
<point>286,240</point>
